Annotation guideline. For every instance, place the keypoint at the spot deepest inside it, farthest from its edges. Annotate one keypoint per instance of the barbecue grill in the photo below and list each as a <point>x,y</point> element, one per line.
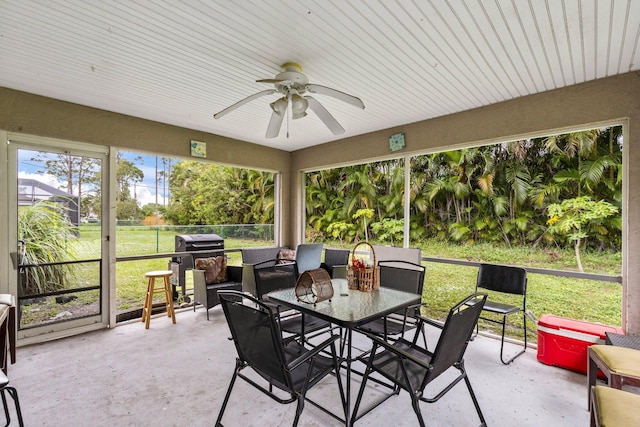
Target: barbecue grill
<point>202,246</point>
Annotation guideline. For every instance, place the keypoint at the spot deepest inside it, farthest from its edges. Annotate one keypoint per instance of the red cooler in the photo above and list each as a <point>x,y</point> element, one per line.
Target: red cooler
<point>563,342</point>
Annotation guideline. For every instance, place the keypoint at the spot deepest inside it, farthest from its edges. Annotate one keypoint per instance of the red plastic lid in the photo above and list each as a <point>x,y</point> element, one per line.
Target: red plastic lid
<point>598,329</point>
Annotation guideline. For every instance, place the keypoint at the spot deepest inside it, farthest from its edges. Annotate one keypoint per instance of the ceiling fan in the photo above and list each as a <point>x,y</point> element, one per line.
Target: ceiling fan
<point>293,85</point>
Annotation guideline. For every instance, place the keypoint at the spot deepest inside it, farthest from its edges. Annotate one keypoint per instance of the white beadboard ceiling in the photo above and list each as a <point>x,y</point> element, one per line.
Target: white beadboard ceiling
<point>178,62</point>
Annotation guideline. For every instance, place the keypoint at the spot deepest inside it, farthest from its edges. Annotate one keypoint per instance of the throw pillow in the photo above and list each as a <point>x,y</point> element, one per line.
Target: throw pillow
<point>215,269</point>
<point>286,256</point>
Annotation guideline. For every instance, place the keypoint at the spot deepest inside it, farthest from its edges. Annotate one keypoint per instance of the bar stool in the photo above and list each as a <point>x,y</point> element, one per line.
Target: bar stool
<point>152,288</point>
<point>620,365</point>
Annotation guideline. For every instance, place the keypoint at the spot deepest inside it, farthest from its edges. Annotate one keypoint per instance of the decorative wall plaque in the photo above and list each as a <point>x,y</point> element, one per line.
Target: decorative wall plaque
<point>198,149</point>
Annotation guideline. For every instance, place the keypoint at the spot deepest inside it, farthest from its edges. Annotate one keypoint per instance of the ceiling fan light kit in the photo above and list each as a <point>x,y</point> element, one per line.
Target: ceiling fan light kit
<point>299,106</point>
<point>293,85</point>
<point>279,105</point>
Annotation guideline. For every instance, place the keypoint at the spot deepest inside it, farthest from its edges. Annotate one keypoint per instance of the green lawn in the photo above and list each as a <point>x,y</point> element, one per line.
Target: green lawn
<point>445,284</point>
<point>577,299</point>
<point>132,241</point>
<point>593,301</point>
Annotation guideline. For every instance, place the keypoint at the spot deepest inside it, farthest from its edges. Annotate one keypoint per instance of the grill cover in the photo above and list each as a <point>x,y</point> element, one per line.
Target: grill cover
<point>198,242</point>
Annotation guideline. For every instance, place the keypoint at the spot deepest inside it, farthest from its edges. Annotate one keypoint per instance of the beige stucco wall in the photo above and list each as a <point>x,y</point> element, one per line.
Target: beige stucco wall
<point>36,115</point>
<point>613,99</point>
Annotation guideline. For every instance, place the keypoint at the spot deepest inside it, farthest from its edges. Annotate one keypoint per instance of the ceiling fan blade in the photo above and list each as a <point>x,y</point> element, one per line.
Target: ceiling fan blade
<point>269,81</point>
<point>274,125</point>
<point>323,90</point>
<point>242,102</point>
<point>325,116</point>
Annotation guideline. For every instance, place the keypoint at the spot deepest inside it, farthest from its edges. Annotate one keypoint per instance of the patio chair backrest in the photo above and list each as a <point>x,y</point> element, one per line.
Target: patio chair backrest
<point>308,256</point>
<point>455,335</point>
<point>386,253</point>
<point>336,257</point>
<point>256,255</point>
<point>502,278</point>
<point>271,276</point>
<point>402,275</point>
<point>256,335</point>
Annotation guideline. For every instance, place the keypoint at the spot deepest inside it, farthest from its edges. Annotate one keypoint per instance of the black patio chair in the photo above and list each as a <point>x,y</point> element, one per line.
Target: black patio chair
<point>335,262</point>
<point>272,276</point>
<point>291,368</point>
<point>403,276</point>
<point>507,280</point>
<point>411,368</point>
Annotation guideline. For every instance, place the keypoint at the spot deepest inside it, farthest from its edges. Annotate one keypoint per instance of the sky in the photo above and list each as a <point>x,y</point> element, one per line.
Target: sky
<point>145,191</point>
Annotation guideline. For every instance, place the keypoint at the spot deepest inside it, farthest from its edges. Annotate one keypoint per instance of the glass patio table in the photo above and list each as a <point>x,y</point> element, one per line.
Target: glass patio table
<point>348,309</point>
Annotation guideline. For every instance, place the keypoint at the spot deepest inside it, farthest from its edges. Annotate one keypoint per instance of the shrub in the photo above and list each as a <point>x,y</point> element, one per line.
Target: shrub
<point>46,232</point>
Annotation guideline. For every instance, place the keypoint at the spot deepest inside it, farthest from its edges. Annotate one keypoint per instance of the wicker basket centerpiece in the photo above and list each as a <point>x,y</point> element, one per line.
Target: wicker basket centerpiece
<point>314,286</point>
<point>362,272</point>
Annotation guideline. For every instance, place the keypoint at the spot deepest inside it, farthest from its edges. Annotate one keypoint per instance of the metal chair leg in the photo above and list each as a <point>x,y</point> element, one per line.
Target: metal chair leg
<point>14,395</point>
<point>226,397</point>
<point>504,321</point>
<point>475,400</point>
<point>299,408</point>
<point>6,408</point>
<point>415,403</point>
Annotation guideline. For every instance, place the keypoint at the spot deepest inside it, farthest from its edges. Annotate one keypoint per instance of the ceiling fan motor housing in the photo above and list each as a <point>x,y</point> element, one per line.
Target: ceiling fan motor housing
<point>291,77</point>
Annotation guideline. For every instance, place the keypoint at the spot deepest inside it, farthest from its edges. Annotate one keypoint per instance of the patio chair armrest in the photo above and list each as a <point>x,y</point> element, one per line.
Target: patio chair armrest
<point>415,308</point>
<point>264,264</point>
<point>408,314</point>
<point>311,353</point>
<point>198,277</point>
<point>399,352</point>
<point>199,285</point>
<point>340,271</point>
<point>283,312</point>
<point>431,322</point>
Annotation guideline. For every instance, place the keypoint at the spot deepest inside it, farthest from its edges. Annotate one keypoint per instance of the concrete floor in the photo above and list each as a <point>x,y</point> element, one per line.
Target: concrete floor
<point>177,375</point>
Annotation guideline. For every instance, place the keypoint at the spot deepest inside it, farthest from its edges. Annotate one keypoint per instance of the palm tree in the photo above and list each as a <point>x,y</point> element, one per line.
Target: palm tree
<point>578,146</point>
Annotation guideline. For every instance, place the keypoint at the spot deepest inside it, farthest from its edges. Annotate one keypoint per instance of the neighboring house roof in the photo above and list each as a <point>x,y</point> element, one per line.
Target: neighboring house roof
<point>31,190</point>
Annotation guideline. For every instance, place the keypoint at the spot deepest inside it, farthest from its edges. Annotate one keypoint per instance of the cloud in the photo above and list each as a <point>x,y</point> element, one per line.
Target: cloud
<point>145,196</point>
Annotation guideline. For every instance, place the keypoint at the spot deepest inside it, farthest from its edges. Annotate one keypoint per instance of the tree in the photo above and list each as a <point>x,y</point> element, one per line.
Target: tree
<point>202,193</point>
<point>197,193</point>
<point>150,209</point>
<point>75,172</point>
<point>495,193</point>
<point>389,230</point>
<point>127,173</point>
<point>364,214</point>
<point>591,161</point>
<point>579,218</point>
